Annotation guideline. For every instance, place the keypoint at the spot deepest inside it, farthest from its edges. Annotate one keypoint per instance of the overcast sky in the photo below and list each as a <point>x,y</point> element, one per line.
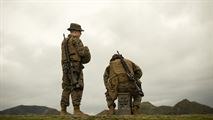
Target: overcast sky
<point>172,41</point>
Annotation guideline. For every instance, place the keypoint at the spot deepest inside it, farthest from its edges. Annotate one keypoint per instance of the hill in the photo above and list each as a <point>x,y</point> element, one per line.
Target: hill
<point>114,117</point>
<point>183,107</point>
<point>187,107</point>
<point>29,110</point>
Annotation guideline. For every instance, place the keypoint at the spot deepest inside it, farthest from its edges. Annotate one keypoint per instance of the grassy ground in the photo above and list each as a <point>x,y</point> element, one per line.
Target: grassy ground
<point>139,117</point>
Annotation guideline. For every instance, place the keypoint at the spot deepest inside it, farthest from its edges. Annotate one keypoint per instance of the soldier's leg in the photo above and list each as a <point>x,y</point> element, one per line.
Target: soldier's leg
<point>65,94</point>
<point>136,104</point>
<point>110,103</point>
<point>76,96</point>
<point>136,99</point>
<point>76,101</point>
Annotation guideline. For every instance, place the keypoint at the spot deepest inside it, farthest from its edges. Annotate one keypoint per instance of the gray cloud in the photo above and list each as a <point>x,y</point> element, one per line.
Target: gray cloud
<point>171,41</point>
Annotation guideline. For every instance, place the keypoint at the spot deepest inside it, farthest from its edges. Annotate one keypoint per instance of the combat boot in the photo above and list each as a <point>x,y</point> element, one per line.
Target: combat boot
<point>111,110</point>
<point>135,110</point>
<point>63,111</point>
<point>78,112</point>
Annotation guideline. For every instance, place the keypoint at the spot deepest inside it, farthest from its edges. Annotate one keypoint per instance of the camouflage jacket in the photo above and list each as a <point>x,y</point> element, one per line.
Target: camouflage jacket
<point>76,49</point>
<point>132,66</point>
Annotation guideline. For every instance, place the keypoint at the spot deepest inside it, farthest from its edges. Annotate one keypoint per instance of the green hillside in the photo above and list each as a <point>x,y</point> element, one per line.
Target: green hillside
<point>127,117</point>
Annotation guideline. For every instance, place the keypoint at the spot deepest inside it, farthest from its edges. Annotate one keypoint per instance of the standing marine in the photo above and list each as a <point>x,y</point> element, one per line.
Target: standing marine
<point>74,55</point>
<point>118,79</point>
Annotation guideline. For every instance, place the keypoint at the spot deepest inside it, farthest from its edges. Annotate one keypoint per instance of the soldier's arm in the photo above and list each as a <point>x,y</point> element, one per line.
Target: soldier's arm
<point>137,71</point>
<point>79,47</point>
<point>106,75</point>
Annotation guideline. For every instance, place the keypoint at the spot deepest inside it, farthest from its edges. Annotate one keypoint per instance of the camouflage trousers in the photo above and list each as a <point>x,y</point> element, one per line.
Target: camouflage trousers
<point>124,87</point>
<point>68,89</point>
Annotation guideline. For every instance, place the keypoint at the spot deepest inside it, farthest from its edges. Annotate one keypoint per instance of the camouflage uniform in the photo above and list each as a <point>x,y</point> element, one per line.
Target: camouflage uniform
<point>79,55</point>
<point>116,80</point>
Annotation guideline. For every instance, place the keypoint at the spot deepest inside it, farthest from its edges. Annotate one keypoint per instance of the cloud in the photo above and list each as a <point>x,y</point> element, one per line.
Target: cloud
<point>170,41</point>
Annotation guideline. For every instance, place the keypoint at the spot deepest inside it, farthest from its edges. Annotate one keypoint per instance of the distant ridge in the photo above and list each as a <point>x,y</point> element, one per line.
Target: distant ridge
<point>183,107</point>
<point>187,107</point>
<point>29,110</point>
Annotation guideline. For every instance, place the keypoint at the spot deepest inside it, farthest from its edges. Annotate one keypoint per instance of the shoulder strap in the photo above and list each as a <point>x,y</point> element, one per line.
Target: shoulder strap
<point>66,48</point>
<point>124,64</point>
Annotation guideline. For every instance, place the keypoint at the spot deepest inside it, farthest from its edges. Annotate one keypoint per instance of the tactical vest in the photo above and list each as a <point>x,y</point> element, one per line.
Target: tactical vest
<point>116,67</point>
<point>72,50</point>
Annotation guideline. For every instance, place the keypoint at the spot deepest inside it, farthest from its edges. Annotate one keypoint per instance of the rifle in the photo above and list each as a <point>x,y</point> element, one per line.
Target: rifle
<point>130,75</point>
<point>74,81</point>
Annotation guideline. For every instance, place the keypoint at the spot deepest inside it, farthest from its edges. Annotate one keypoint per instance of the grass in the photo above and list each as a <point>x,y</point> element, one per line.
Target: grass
<point>124,117</point>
